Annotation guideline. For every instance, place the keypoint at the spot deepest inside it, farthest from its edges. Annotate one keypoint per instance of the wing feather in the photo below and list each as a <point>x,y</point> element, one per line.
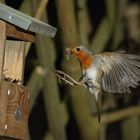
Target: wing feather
<point>120,71</point>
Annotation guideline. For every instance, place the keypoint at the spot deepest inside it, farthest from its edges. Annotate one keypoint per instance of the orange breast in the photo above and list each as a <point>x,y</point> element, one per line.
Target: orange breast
<point>85,59</point>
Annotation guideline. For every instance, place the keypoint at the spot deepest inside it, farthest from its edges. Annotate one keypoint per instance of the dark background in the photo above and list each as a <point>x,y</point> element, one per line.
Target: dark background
<point>97,10</point>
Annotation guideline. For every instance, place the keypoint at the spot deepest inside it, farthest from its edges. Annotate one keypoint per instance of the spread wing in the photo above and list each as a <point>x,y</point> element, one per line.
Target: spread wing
<point>120,71</point>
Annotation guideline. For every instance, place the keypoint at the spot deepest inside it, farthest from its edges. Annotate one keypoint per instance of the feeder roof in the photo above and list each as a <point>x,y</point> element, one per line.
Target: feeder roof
<point>25,21</point>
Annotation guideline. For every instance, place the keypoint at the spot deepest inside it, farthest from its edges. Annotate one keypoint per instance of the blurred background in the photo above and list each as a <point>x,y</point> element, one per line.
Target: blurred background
<point>59,111</point>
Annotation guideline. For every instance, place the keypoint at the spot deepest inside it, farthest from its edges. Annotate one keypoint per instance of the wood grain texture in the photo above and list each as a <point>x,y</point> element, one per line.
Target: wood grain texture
<point>14,60</point>
<point>18,33</point>
<point>3,108</point>
<point>2,45</point>
<point>12,97</point>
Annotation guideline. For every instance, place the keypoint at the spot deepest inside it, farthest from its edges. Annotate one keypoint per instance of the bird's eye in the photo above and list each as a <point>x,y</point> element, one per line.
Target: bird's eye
<point>77,49</point>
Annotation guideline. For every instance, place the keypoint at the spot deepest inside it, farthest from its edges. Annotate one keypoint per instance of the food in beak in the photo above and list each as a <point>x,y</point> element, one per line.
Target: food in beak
<point>68,52</point>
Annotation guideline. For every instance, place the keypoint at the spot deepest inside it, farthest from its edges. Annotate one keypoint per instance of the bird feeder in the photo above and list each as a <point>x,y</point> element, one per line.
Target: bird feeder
<point>16,29</point>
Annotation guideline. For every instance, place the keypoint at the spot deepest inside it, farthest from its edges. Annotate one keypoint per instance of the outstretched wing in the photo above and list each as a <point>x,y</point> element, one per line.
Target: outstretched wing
<point>120,71</point>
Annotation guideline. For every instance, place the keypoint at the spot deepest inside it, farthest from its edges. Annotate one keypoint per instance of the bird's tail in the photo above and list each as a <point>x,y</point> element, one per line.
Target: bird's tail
<point>98,97</point>
<point>97,92</point>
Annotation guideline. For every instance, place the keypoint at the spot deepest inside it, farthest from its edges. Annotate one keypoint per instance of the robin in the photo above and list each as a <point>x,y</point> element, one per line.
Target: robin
<point>113,72</point>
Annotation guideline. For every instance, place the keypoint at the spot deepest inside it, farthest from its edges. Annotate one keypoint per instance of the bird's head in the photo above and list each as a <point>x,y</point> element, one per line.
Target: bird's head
<point>78,51</point>
<point>84,55</point>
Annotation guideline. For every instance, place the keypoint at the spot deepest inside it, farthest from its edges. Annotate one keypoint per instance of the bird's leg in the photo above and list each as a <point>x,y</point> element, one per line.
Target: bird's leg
<point>81,81</point>
<point>65,77</point>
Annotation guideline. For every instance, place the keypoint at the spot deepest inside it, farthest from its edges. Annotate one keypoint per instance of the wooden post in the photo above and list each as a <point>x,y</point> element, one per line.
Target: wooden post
<point>2,46</point>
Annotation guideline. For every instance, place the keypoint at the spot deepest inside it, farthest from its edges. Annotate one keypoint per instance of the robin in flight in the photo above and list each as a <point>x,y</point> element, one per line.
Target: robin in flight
<point>113,72</point>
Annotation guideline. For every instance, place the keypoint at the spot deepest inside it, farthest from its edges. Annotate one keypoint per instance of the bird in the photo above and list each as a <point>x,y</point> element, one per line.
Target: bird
<point>113,72</point>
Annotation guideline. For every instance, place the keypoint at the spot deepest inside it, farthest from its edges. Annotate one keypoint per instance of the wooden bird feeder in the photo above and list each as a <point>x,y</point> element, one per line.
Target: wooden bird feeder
<point>16,28</point>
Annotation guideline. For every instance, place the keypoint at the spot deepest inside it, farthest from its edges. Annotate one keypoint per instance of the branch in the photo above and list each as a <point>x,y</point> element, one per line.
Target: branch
<point>84,26</point>
<point>101,37</point>
<point>66,78</point>
<point>119,115</point>
<point>41,9</point>
<point>35,83</point>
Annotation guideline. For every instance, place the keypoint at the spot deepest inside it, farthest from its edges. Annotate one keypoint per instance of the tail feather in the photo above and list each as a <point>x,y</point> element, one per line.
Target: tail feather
<point>98,98</point>
<point>97,92</point>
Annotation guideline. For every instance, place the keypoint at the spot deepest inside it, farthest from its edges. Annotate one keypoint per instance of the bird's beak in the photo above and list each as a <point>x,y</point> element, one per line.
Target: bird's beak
<point>68,52</point>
